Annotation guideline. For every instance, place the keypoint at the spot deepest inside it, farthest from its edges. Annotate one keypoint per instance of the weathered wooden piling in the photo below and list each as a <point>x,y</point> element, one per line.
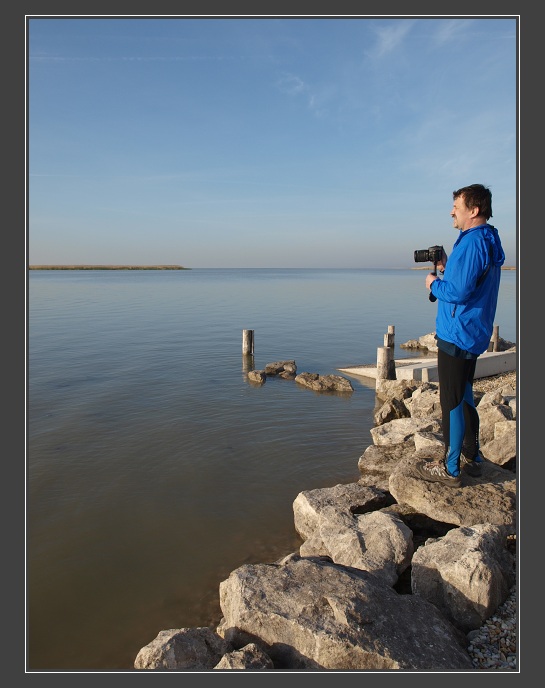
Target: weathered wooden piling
<point>386,367</point>
<point>247,341</point>
<point>389,337</point>
<point>495,340</point>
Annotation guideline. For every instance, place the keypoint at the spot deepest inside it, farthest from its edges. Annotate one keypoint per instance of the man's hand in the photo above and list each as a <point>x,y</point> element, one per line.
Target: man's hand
<point>443,261</point>
<point>429,279</point>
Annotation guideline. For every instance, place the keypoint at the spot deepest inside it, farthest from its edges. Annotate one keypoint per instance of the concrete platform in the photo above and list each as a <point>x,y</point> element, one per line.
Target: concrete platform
<point>425,369</point>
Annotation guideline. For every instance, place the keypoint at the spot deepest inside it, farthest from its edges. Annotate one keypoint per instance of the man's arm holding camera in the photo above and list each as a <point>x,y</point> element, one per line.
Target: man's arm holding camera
<point>440,265</point>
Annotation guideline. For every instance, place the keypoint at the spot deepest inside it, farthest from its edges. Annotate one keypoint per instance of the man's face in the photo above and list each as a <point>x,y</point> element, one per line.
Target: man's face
<point>462,217</point>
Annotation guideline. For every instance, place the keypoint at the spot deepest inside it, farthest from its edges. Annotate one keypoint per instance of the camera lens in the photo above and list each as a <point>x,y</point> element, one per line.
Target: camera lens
<point>421,256</point>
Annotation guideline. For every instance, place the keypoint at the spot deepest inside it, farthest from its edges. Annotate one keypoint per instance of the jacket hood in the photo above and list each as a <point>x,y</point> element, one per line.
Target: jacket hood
<point>493,238</point>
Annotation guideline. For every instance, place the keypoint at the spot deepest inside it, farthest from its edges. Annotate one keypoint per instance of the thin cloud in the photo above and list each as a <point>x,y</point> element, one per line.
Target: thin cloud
<point>390,38</point>
<point>291,84</point>
<point>451,31</point>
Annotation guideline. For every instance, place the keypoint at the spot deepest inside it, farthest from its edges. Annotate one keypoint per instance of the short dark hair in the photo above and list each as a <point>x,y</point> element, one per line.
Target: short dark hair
<point>476,196</point>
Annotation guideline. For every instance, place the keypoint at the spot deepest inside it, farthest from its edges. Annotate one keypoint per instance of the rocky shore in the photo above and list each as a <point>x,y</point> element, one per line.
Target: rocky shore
<point>393,572</point>
<point>493,646</point>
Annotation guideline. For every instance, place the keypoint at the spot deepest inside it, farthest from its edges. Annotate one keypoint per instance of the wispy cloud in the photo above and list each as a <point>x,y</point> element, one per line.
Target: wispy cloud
<point>451,31</point>
<point>291,84</point>
<point>389,38</point>
<point>315,99</point>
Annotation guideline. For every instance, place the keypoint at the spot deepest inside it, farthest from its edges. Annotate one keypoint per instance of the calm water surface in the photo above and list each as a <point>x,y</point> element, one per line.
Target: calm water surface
<point>155,468</point>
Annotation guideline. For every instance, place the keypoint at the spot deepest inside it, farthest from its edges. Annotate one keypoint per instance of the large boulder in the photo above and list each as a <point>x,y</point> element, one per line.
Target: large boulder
<point>488,499</point>
<point>310,614</point>
<point>375,541</point>
<point>325,383</point>
<point>467,574</point>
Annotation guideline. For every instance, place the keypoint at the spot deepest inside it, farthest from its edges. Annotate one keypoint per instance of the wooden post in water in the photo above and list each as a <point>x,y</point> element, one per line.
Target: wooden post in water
<point>495,340</point>
<point>247,341</point>
<point>386,367</point>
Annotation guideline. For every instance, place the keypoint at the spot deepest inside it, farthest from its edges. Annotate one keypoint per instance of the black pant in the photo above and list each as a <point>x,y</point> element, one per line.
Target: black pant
<point>459,416</point>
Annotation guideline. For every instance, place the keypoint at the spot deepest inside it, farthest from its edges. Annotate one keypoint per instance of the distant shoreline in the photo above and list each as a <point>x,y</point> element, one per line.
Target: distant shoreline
<point>503,267</point>
<point>107,267</point>
<point>163,267</point>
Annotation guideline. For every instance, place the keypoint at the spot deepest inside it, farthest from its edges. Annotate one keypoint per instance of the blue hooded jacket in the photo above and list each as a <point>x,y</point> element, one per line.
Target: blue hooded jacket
<point>467,301</point>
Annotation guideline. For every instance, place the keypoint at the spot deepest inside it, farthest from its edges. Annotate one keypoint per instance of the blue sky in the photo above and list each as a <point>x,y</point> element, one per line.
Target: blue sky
<point>265,142</point>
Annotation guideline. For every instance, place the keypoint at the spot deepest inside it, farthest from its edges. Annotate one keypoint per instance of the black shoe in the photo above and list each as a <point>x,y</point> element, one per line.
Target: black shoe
<point>435,472</point>
<point>471,466</point>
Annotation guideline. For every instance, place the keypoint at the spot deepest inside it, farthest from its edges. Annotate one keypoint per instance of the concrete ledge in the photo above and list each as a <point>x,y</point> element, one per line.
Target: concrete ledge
<point>425,369</point>
<point>495,363</point>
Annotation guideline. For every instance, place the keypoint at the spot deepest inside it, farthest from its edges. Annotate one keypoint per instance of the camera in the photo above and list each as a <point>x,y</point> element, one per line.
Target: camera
<point>432,254</point>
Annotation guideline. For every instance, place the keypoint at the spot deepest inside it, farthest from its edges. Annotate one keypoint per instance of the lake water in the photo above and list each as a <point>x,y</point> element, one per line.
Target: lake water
<point>155,468</point>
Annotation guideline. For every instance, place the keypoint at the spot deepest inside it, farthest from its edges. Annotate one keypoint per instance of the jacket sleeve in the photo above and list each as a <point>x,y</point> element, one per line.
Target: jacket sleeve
<point>464,267</point>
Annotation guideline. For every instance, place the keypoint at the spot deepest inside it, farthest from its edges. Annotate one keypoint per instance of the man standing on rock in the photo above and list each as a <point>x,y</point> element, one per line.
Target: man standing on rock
<point>467,296</point>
